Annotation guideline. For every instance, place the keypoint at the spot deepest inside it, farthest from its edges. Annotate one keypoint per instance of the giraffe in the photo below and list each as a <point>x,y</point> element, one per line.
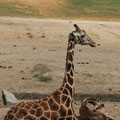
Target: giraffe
<point>96,113</point>
<point>59,104</point>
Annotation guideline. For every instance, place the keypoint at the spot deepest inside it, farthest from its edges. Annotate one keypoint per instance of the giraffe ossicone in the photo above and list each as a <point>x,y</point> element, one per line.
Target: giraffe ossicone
<point>59,104</point>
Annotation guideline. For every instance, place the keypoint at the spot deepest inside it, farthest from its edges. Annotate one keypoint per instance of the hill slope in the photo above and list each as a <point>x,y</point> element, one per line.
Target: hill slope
<point>65,9</point>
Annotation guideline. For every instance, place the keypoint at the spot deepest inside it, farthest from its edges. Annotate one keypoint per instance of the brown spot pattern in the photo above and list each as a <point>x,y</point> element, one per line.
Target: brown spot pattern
<point>70,89</point>
<point>54,116</point>
<point>54,107</point>
<point>21,113</point>
<point>29,117</point>
<point>43,118</point>
<point>47,114</point>
<point>70,80</point>
<point>32,112</point>
<point>62,111</point>
<point>39,112</point>
<point>50,101</point>
<point>57,99</point>
<point>64,98</point>
<point>68,102</point>
<point>15,110</point>
<point>44,105</point>
<point>35,106</point>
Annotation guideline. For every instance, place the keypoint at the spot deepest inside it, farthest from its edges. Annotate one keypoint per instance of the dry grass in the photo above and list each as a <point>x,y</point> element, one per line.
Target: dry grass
<point>63,9</point>
<point>41,7</point>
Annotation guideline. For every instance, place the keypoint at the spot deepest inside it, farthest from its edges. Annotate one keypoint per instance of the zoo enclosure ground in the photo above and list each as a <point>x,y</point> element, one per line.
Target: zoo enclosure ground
<point>27,43</point>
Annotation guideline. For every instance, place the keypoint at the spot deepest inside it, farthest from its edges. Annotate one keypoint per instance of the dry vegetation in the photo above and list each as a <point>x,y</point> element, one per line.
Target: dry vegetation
<point>62,9</point>
<point>35,8</point>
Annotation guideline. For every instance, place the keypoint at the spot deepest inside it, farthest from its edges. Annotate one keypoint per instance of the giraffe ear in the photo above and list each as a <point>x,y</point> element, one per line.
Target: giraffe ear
<point>77,28</point>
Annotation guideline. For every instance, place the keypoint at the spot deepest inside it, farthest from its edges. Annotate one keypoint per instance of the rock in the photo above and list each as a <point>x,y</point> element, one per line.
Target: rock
<point>14,45</point>
<point>21,71</point>
<point>10,67</point>
<point>34,48</point>
<point>9,98</point>
<point>80,50</point>
<point>42,36</point>
<point>1,66</point>
<point>98,44</point>
<point>110,89</point>
<point>30,35</point>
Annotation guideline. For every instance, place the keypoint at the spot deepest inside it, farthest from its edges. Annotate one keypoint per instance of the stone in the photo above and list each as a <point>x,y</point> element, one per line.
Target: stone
<point>9,98</point>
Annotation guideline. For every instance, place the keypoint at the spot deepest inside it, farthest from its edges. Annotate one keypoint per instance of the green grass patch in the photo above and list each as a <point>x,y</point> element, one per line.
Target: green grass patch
<point>41,68</point>
<point>71,9</point>
<point>42,78</point>
<point>18,9</point>
<point>93,8</point>
<point>45,78</point>
<point>39,73</point>
<point>36,75</point>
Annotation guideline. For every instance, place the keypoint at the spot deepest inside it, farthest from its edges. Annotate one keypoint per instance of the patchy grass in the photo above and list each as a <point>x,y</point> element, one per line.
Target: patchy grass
<point>65,9</point>
<point>41,68</point>
<point>30,8</point>
<point>42,78</point>
<point>93,8</point>
<point>40,71</point>
<point>90,9</point>
<point>45,78</point>
<point>17,9</point>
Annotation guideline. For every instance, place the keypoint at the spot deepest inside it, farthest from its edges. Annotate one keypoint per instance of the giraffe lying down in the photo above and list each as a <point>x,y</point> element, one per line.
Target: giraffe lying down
<point>94,112</point>
<point>59,104</point>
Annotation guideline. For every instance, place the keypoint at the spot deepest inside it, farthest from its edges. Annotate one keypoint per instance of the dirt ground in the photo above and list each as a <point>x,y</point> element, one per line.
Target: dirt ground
<point>25,43</point>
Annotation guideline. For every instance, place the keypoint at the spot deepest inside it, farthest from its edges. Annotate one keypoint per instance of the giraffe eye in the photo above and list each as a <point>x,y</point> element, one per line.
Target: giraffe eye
<point>82,35</point>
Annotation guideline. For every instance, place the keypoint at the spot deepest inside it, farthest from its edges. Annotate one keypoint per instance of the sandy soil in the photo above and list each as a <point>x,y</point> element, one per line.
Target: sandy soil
<point>24,43</point>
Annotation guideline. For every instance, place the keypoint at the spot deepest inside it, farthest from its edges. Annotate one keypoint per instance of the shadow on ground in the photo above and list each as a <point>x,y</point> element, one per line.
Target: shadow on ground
<point>102,97</point>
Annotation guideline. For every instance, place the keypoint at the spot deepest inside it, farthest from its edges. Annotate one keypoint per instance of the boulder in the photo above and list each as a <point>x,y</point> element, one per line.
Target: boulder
<point>9,98</point>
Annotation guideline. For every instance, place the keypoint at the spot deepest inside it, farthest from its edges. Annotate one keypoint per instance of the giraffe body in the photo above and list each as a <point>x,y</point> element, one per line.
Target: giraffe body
<point>58,105</point>
<point>53,107</point>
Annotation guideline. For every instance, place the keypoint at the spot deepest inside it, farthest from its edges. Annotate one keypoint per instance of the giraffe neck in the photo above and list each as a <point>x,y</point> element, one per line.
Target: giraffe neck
<point>68,82</point>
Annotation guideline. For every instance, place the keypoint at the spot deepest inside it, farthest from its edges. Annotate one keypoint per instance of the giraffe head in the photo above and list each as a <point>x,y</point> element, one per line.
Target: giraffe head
<point>80,37</point>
